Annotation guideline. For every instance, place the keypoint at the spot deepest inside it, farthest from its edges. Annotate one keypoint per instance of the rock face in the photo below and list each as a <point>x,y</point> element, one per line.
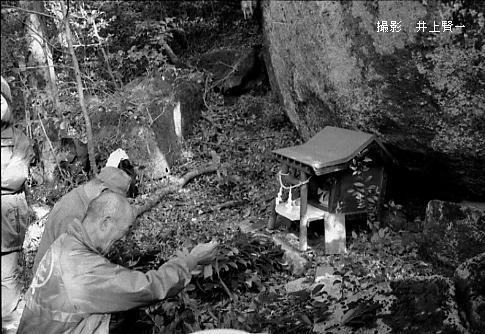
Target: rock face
<point>453,233</point>
<point>416,90</point>
<point>470,284</point>
<point>149,121</point>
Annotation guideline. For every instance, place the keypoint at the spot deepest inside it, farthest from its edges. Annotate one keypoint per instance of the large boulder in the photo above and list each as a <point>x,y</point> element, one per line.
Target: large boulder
<point>470,285</point>
<point>418,91</point>
<point>149,120</point>
<point>453,233</point>
<point>234,70</point>
<point>417,305</point>
<point>424,305</point>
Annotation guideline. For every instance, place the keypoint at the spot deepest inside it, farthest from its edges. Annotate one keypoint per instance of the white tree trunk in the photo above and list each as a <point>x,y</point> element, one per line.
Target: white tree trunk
<point>40,61</point>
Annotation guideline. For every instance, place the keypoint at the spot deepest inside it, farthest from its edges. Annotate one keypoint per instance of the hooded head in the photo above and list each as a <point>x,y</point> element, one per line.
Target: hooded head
<point>6,104</point>
<point>115,179</point>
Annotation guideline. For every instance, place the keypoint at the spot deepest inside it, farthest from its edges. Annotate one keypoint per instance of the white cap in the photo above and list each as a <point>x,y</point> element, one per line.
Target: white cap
<point>115,158</point>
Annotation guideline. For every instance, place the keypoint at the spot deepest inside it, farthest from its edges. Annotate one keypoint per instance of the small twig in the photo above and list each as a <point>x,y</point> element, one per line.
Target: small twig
<point>224,205</point>
<point>222,282</point>
<point>205,94</point>
<point>233,69</point>
<point>212,315</point>
<point>150,116</point>
<point>49,142</point>
<point>86,45</point>
<point>28,121</point>
<point>29,11</point>
<point>152,318</point>
<point>45,66</point>
<point>173,57</point>
<point>159,115</point>
<point>209,108</point>
<point>227,65</point>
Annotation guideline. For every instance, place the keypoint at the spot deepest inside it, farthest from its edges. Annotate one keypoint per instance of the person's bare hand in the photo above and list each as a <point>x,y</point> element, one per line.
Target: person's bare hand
<point>205,253</point>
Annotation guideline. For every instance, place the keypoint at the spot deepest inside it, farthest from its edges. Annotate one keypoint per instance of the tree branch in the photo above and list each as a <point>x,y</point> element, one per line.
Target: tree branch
<point>173,57</point>
<point>50,143</point>
<point>179,183</point>
<point>89,130</point>
<point>29,11</point>
<point>225,205</point>
<point>226,289</point>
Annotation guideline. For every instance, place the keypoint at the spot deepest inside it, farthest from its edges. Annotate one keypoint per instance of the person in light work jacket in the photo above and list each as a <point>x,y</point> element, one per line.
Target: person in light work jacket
<point>74,204</point>
<point>16,156</point>
<point>75,288</point>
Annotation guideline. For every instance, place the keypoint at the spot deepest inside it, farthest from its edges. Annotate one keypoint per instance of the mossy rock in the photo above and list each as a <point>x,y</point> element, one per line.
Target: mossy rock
<point>424,305</point>
<point>470,284</point>
<point>452,233</point>
<point>149,119</point>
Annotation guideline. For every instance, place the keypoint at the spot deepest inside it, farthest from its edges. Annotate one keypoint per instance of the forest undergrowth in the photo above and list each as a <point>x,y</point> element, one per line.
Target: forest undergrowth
<point>245,288</point>
<point>251,285</point>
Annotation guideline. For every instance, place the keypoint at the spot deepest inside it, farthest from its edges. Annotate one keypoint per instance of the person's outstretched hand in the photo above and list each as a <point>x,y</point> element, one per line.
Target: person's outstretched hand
<point>205,253</point>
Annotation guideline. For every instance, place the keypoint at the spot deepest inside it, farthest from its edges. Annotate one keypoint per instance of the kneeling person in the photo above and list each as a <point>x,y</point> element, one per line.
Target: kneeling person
<point>75,203</point>
<point>75,288</point>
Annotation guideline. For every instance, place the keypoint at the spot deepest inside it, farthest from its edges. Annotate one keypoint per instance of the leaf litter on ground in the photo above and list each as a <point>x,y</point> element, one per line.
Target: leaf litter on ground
<point>246,288</point>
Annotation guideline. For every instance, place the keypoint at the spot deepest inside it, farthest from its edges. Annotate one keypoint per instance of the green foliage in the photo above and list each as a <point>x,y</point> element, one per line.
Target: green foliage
<point>13,45</point>
<point>250,268</point>
<point>133,35</point>
<point>241,265</point>
<point>271,311</point>
<point>394,209</point>
<point>241,279</point>
<point>245,288</point>
<point>366,195</point>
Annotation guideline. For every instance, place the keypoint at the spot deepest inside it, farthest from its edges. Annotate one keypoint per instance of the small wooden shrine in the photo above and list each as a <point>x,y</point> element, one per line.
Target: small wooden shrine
<point>324,172</point>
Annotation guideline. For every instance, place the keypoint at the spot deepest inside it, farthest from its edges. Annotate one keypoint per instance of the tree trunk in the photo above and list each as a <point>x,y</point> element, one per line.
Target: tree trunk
<point>42,74</point>
<point>80,90</point>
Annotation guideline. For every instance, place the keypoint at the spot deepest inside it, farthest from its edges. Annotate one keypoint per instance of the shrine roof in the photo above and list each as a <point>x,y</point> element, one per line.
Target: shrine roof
<point>332,146</point>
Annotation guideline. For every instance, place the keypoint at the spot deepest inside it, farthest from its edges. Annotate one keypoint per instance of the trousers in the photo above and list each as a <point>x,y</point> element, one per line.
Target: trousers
<point>10,286</point>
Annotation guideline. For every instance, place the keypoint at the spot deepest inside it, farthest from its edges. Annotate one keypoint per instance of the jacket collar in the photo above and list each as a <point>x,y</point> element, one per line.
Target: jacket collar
<point>77,230</point>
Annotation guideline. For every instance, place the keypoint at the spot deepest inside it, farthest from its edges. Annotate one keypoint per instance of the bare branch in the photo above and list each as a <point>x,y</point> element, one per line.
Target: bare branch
<point>225,205</point>
<point>179,183</point>
<point>49,142</point>
<point>173,57</point>
<point>29,11</point>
